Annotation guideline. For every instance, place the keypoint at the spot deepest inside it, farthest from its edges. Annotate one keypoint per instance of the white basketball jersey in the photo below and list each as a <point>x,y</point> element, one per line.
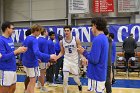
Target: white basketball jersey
<point>71,54</point>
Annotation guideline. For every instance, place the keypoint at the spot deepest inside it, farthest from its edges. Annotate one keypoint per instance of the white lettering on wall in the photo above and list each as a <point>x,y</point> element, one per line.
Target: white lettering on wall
<point>119,33</point>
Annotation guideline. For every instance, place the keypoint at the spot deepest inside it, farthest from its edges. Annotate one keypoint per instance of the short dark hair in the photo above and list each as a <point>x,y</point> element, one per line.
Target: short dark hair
<point>51,33</point>
<point>28,32</point>
<point>5,25</point>
<point>111,35</point>
<point>131,34</point>
<point>68,27</point>
<point>106,32</point>
<point>100,23</point>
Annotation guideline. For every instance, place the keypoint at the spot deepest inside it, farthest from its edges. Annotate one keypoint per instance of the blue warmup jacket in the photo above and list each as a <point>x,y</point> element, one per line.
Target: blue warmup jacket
<point>98,57</point>
<point>31,56</point>
<point>8,60</point>
<point>43,47</point>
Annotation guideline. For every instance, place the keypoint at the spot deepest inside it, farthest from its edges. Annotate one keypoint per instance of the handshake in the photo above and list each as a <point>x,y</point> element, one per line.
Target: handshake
<point>53,58</point>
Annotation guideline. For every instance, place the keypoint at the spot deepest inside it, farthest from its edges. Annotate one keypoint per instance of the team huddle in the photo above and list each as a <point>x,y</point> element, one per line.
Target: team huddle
<point>37,54</point>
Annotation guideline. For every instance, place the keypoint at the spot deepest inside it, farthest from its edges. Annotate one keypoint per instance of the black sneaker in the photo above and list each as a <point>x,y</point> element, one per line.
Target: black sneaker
<point>80,88</point>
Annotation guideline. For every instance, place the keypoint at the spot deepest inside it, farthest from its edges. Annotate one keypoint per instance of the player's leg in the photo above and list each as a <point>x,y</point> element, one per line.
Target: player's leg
<point>99,86</point>
<point>32,73</point>
<point>65,81</point>
<point>90,84</point>
<point>27,79</point>
<point>26,82</point>
<point>31,85</point>
<point>66,69</point>
<point>42,77</point>
<point>4,89</point>
<point>75,71</point>
<point>12,88</point>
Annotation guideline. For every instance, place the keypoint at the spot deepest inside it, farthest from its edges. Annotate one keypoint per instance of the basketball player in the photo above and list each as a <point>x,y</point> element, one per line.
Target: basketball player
<point>98,56</point>
<point>69,46</point>
<point>43,47</point>
<point>30,57</point>
<point>8,75</point>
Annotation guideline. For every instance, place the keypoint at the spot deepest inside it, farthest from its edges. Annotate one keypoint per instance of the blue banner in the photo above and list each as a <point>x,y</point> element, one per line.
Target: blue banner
<point>121,32</point>
<point>82,32</point>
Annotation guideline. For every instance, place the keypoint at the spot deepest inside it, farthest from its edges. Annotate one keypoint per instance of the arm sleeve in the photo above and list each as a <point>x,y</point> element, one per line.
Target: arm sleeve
<point>5,56</point>
<point>38,53</point>
<point>94,55</point>
<point>51,47</point>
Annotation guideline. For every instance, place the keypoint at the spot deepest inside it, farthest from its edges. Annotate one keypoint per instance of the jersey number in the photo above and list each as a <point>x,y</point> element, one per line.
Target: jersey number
<point>70,51</point>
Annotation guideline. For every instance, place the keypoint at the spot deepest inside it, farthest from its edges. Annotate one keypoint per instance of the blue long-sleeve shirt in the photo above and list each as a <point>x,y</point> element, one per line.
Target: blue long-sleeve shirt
<point>30,57</point>
<point>51,47</point>
<point>113,51</point>
<point>57,47</point>
<point>97,58</point>
<point>8,60</point>
<point>43,47</point>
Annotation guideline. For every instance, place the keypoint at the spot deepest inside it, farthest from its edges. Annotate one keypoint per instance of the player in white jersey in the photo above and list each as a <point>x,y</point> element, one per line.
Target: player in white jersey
<point>69,46</point>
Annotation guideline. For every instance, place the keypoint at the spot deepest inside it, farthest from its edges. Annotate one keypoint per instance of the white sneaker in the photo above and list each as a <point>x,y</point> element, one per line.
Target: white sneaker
<point>52,85</point>
<point>38,85</point>
<point>46,83</point>
<point>44,89</point>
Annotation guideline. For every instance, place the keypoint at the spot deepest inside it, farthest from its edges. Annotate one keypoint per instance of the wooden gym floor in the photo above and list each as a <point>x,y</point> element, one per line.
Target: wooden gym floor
<point>120,87</point>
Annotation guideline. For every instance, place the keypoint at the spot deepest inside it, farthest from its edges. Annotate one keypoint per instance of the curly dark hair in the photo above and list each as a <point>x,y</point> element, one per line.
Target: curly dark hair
<point>100,23</point>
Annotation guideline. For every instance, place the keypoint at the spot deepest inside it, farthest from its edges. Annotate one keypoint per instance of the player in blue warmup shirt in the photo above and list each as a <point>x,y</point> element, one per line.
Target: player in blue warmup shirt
<point>98,56</point>
<point>8,75</point>
<point>43,47</point>
<point>31,56</point>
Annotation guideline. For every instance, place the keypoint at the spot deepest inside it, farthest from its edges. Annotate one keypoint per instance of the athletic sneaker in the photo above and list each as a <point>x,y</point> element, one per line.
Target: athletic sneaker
<point>38,85</point>
<point>52,85</point>
<point>80,88</point>
<point>44,89</point>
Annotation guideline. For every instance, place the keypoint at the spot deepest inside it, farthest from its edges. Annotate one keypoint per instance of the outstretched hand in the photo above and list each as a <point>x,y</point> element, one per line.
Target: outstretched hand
<point>80,49</point>
<point>53,57</point>
<point>84,61</point>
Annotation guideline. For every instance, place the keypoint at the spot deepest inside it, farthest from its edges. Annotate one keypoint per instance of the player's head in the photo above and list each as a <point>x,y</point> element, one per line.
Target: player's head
<point>8,28</point>
<point>28,32</point>
<point>131,35</point>
<point>52,35</point>
<point>106,32</point>
<point>44,32</point>
<point>67,30</point>
<point>36,29</point>
<point>98,24</point>
<point>111,35</point>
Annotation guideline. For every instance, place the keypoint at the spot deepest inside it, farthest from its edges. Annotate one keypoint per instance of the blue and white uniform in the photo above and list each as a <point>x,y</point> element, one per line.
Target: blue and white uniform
<point>31,56</point>
<point>43,47</point>
<point>97,58</point>
<point>70,57</point>
<point>7,62</point>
